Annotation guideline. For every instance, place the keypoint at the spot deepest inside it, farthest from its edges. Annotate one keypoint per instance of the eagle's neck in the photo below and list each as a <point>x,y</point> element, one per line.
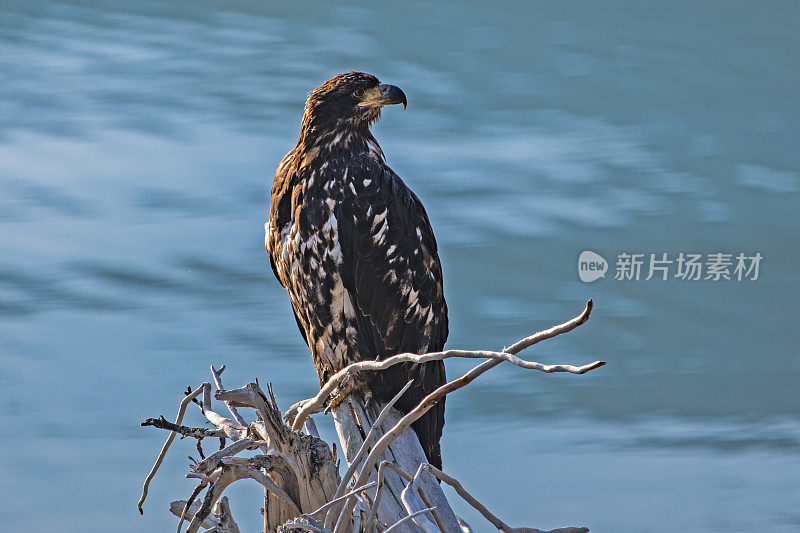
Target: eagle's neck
<point>343,139</point>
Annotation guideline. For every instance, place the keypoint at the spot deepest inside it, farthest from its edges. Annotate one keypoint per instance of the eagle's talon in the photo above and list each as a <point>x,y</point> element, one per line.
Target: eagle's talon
<point>340,396</point>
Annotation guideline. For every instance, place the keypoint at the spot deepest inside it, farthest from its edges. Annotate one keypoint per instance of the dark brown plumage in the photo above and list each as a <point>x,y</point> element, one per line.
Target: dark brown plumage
<point>355,250</point>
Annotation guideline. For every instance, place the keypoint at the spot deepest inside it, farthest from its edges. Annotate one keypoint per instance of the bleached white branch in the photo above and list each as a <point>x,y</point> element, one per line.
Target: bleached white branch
<point>413,503</point>
<point>307,407</point>
<point>397,524</point>
<point>212,462</point>
<point>233,430</point>
<point>252,396</point>
<point>344,496</point>
<point>351,521</point>
<point>270,485</point>
<point>218,382</point>
<point>291,412</point>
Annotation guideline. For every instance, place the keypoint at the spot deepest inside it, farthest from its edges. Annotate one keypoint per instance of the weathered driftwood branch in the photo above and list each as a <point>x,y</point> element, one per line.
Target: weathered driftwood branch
<point>298,472</point>
<point>218,382</point>
<point>311,405</point>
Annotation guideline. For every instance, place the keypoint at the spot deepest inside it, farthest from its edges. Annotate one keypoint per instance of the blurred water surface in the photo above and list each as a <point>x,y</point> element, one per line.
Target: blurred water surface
<point>137,143</point>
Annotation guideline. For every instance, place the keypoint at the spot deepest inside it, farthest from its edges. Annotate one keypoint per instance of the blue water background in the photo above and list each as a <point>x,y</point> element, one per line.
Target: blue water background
<point>137,144</point>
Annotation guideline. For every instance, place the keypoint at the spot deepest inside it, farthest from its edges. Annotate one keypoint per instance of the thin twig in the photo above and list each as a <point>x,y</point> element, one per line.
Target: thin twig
<point>218,382</point>
<point>186,431</point>
<point>340,498</point>
<point>181,410</point>
<point>409,517</point>
<point>496,522</point>
<point>190,503</point>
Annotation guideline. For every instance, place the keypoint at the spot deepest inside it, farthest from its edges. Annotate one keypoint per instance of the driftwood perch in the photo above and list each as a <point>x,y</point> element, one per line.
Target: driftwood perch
<point>387,486</point>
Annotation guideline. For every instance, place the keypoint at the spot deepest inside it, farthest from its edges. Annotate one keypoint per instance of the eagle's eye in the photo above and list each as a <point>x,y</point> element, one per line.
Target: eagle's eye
<point>358,93</point>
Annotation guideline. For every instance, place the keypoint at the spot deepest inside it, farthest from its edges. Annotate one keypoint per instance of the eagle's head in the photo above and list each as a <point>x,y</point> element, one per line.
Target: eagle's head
<point>352,100</point>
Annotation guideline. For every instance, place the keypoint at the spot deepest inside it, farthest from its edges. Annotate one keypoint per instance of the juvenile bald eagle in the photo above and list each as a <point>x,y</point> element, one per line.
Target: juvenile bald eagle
<point>354,248</point>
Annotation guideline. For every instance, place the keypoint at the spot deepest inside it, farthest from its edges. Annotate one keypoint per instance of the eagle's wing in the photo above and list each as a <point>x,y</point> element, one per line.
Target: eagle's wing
<point>390,264</point>
<point>278,217</point>
<point>391,269</point>
<point>296,318</point>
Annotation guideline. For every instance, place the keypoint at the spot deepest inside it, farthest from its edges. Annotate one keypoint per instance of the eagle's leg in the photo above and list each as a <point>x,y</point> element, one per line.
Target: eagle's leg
<point>345,389</point>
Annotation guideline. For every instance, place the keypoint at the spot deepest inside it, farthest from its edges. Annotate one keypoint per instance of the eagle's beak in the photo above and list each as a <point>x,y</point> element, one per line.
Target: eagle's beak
<point>384,94</point>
